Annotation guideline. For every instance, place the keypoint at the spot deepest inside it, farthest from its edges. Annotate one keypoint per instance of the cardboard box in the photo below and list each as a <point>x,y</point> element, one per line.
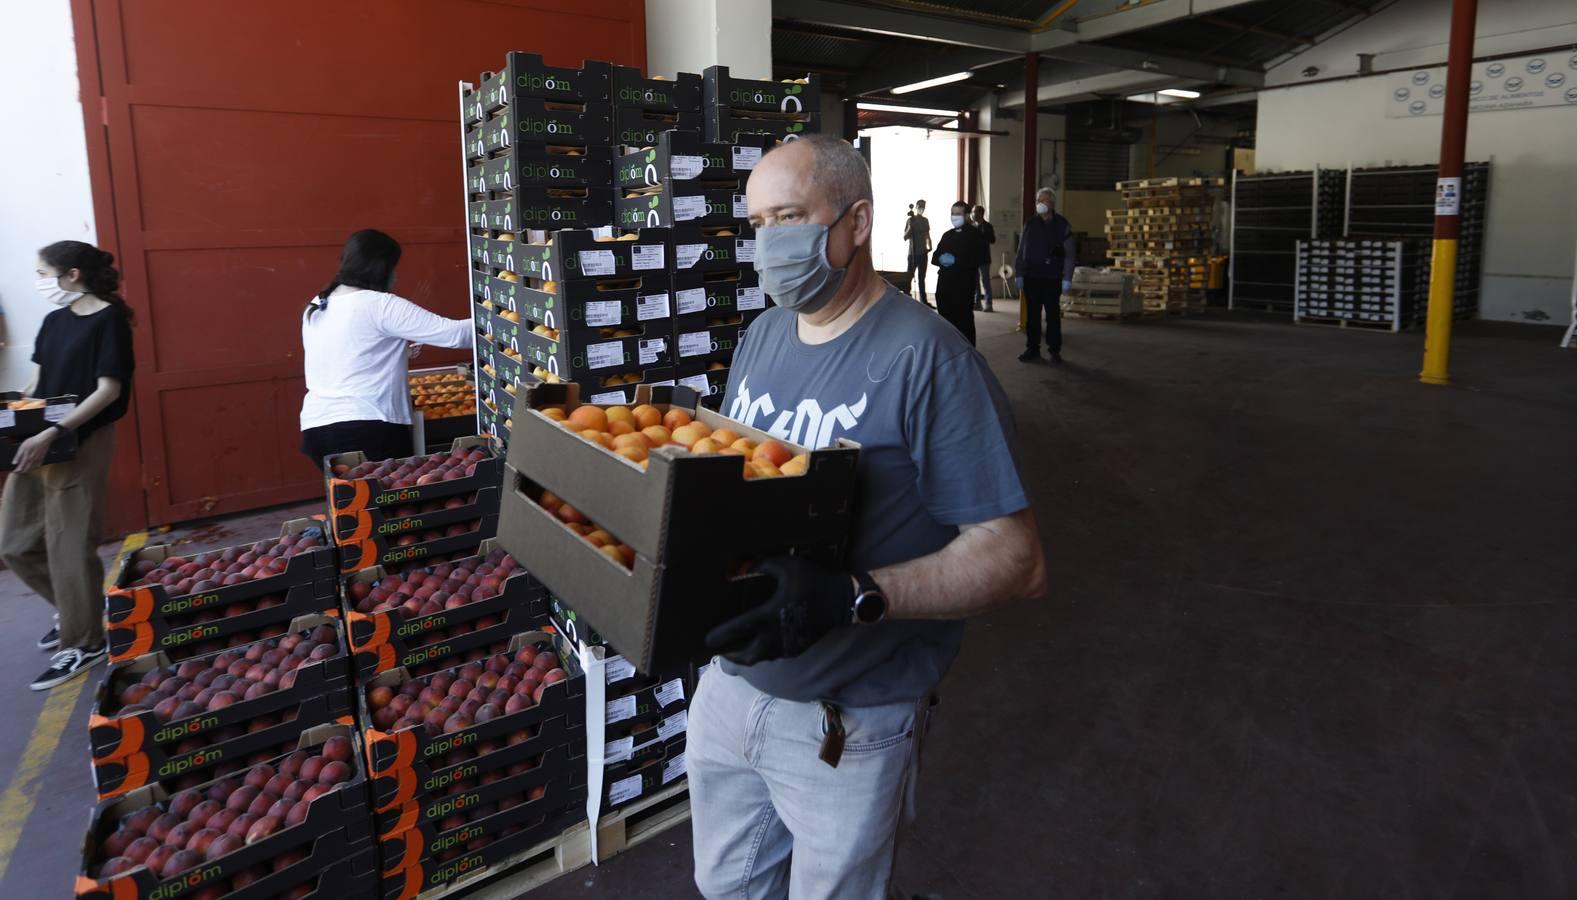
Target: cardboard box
<point>582,354</point>
<point>393,521</point>
<point>406,876</point>
<point>709,378</point>
<point>719,89</point>
<point>724,248</point>
<point>723,125</point>
<point>540,165</point>
<point>348,496</point>
<point>679,202</point>
<point>141,629</point>
<point>526,76</point>
<point>533,207</point>
<point>530,121</point>
<point>662,763</point>
<point>636,127</point>
<point>682,93</point>
<point>573,253</point>
<point>34,415</point>
<point>589,305</point>
<point>721,292</point>
<point>130,751</point>
<point>682,583</point>
<point>363,549</point>
<point>704,338</point>
<point>682,156</point>
<point>554,771</point>
<point>337,827</point>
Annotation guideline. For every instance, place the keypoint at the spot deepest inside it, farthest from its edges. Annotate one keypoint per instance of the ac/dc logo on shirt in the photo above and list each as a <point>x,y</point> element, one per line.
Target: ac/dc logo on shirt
<point>804,423</point>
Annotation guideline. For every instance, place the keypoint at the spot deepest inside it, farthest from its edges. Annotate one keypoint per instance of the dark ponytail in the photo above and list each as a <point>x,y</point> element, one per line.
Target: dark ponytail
<point>95,267</point>
<point>367,262</point>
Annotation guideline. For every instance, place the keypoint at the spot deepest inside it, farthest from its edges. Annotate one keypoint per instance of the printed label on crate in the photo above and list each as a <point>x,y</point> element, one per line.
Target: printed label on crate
<point>618,751</point>
<point>687,255</point>
<point>609,397</point>
<point>673,769</point>
<point>697,383</point>
<point>597,262</point>
<point>695,343</point>
<point>621,709</point>
<point>652,349</point>
<point>750,298</point>
<point>618,669</point>
<point>745,158</point>
<point>687,208</point>
<point>685,167</point>
<point>625,789</point>
<point>691,300</point>
<point>674,724</point>
<point>7,418</point>
<point>603,312</point>
<point>741,208</point>
<point>601,356</point>
<point>670,692</point>
<point>745,251</point>
<point>652,306</point>
<point>665,383</point>
<point>58,412</point>
<point>646,256</point>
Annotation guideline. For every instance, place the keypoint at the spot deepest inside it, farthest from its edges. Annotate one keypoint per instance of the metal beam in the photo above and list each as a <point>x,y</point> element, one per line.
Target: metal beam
<point>1093,86</point>
<point>1158,64</point>
<point>897,23</point>
<point>928,66</point>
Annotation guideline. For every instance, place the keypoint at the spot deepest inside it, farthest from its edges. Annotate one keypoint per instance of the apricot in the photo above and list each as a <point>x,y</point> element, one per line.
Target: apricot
<point>606,440</point>
<point>617,427</point>
<point>745,446</point>
<point>725,437</point>
<point>704,445</point>
<point>588,416</point>
<point>633,454</point>
<point>601,538</point>
<point>612,552</point>
<point>774,453</point>
<point>689,434</point>
<point>799,465</point>
<point>765,468</point>
<point>570,515</point>
<point>675,418</point>
<point>634,439</point>
<point>658,435</point>
<point>730,451</point>
<point>555,413</point>
<point>619,414</point>
<point>646,416</point>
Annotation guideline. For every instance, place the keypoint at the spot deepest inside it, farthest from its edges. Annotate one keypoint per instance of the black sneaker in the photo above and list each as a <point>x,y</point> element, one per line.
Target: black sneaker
<point>68,664</point>
<point>1029,356</point>
<point>50,640</point>
<point>1056,358</point>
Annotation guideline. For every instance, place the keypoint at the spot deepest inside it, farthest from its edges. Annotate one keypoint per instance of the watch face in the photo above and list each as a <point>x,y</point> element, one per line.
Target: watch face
<point>870,607</point>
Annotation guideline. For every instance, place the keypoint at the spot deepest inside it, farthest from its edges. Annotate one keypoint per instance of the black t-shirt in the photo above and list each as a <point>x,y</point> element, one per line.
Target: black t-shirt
<point>970,251</point>
<point>73,352</point>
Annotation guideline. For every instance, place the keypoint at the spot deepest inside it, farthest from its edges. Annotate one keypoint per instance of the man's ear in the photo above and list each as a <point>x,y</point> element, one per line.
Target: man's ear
<point>864,216</point>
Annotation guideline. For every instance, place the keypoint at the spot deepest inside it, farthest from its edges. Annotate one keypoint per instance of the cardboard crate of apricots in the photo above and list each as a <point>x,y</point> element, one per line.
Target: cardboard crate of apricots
<point>645,519</point>
<point>22,417</point>
<point>443,393</point>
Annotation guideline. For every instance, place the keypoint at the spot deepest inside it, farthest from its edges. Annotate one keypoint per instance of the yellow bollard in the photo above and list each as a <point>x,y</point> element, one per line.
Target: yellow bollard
<point>1437,324</point>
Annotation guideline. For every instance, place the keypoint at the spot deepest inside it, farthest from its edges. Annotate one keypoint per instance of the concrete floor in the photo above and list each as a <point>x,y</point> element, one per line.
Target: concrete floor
<point>1310,635</point>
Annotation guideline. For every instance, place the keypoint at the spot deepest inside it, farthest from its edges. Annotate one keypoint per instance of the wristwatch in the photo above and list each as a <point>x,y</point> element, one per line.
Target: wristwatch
<point>870,604</point>
<point>60,428</point>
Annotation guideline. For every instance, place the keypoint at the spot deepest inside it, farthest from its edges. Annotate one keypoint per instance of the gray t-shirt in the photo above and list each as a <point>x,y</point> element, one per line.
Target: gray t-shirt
<point>919,233</point>
<point>935,436</point>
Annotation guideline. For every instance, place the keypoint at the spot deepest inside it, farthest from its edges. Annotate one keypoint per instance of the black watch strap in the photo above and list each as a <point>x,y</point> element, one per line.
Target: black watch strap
<point>60,428</point>
<point>870,603</point>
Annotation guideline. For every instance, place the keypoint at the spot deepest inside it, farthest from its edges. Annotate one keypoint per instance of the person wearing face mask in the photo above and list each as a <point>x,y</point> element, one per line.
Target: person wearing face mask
<point>357,338</point>
<point>917,232</point>
<point>960,254</point>
<point>804,737</point>
<point>1046,257</point>
<point>51,516</point>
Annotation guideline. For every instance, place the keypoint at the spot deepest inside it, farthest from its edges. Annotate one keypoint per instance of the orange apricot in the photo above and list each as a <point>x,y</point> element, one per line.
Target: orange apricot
<point>765,468</point>
<point>774,453</point>
<point>612,552</point>
<point>745,446</point>
<point>571,515</point>
<point>799,465</point>
<point>555,413</point>
<point>658,435</point>
<point>600,538</point>
<point>689,434</point>
<point>676,418</point>
<point>591,417</point>
<point>634,439</point>
<point>646,416</point>
<point>619,414</point>
<point>725,437</point>
<point>633,454</point>
<point>617,427</point>
<point>704,445</point>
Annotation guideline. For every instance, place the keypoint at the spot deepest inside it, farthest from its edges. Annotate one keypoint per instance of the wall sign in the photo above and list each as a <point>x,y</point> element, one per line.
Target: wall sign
<point>1544,79</point>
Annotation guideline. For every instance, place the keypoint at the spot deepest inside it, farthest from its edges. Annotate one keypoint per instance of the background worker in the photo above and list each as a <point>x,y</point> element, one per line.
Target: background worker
<point>917,231</point>
<point>1046,257</point>
<point>942,531</point>
<point>978,219</point>
<point>52,516</point>
<point>356,340</point>
<point>960,256</point>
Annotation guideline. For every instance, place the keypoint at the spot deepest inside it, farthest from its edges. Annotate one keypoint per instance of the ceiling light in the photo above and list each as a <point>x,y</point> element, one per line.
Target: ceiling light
<point>931,82</point>
<point>915,110</point>
<point>1179,92</point>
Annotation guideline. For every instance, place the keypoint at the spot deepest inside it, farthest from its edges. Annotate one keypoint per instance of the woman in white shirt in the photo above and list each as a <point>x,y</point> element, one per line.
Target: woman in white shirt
<point>355,336</point>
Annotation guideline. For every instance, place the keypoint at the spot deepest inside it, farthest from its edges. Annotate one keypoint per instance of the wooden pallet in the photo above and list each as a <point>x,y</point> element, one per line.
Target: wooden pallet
<point>1141,183</point>
<point>1355,324</point>
<point>1161,212</point>
<point>529,869</point>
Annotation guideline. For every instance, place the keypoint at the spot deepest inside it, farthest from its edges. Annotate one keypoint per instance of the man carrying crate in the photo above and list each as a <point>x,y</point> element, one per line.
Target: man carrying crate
<point>803,739</point>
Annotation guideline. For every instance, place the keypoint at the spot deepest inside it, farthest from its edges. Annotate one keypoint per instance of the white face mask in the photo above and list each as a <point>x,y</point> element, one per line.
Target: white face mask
<point>958,221</point>
<point>52,291</point>
<point>1041,209</point>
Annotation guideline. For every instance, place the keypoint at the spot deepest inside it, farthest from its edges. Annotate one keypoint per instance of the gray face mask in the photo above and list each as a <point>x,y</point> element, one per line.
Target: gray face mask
<point>792,263</point>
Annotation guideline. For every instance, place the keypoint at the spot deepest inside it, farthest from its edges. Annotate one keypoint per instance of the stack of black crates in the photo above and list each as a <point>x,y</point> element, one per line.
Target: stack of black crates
<point>1270,214</point>
<point>1370,284</point>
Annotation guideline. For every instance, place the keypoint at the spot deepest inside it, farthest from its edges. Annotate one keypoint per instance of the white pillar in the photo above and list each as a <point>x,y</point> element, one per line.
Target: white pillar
<point>689,35</point>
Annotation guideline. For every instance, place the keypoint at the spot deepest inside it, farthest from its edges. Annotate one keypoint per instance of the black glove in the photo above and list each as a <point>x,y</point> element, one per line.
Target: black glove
<point>808,601</point>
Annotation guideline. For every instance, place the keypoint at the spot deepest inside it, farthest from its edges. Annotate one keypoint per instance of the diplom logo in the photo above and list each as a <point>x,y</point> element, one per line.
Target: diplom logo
<point>185,882</point>
<point>1420,78</point>
<point>182,763</point>
<point>443,807</point>
<point>399,525</point>
<point>400,496</point>
<point>454,870</point>
<point>1513,84</point>
<point>1554,80</point>
<point>539,82</point>
<point>400,554</point>
<point>546,126</point>
<point>199,633</point>
<point>465,834</point>
<point>1437,91</point>
<point>1495,70</point>
<point>444,779</point>
<point>192,601</point>
<point>746,95</point>
<point>647,95</point>
<point>1536,65</point>
<point>417,657</point>
<point>439,748</point>
<point>185,729</point>
<point>1402,94</point>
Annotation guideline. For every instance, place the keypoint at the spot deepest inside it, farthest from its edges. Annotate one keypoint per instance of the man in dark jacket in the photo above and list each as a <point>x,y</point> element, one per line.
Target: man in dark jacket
<point>978,219</point>
<point>959,255</point>
<point>1046,257</point>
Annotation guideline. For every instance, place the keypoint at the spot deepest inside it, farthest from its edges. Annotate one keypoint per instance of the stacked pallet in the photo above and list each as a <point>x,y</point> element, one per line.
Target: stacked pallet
<point>1101,294</point>
<point>1162,238</point>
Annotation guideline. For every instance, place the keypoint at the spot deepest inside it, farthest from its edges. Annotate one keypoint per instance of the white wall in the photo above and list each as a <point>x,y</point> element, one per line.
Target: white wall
<point>1002,169</point>
<point>45,195</point>
<point>1532,222</point>
<point>689,35</point>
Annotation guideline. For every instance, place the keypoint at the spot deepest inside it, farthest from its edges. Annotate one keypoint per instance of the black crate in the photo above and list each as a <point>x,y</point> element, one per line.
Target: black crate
<point>526,76</point>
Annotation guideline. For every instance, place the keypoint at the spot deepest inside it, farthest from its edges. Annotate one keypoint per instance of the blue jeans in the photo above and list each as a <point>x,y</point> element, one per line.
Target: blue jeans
<point>983,293</point>
<point>770,819</point>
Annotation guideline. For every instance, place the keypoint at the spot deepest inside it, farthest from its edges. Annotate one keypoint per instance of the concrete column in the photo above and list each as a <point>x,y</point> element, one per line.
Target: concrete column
<point>689,35</point>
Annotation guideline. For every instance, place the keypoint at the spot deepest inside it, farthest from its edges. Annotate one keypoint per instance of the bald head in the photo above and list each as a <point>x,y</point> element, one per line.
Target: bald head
<point>818,170</point>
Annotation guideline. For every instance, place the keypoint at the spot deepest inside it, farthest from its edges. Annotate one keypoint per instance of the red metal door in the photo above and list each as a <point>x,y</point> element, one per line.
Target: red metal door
<point>241,144</point>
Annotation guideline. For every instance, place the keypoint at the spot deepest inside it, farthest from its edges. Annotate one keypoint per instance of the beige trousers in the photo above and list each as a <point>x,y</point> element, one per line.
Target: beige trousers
<point>51,520</point>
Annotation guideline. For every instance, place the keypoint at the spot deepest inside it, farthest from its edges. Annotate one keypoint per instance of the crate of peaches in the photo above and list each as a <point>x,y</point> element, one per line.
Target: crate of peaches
<point>645,519</point>
<point>166,601</point>
<point>295,826</point>
<point>437,614</point>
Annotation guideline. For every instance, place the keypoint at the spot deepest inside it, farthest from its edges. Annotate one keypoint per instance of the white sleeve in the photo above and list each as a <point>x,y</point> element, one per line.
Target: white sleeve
<point>399,317</point>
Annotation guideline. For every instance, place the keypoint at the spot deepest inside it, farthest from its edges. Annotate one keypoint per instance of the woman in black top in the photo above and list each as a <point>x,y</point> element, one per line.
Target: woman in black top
<point>51,514</point>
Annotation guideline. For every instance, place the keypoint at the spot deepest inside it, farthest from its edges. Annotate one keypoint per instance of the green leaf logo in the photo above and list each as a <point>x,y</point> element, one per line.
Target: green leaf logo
<point>652,203</point>
<point>548,253</point>
<point>651,155</point>
<point>794,88</point>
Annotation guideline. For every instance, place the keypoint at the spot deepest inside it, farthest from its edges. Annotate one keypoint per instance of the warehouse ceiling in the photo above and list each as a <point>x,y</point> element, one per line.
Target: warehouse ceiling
<point>1089,50</point>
